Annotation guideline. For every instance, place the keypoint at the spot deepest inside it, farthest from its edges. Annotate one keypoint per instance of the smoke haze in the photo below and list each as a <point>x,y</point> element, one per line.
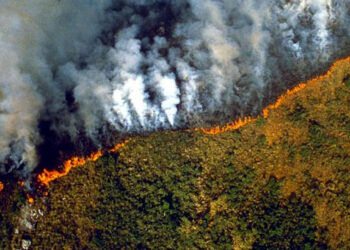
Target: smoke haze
<point>76,72</point>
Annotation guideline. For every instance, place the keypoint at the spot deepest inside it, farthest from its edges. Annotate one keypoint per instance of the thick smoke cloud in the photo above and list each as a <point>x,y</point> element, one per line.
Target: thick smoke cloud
<point>76,71</point>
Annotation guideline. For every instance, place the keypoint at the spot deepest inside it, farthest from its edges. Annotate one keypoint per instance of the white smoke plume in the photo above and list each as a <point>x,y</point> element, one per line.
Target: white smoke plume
<point>76,72</point>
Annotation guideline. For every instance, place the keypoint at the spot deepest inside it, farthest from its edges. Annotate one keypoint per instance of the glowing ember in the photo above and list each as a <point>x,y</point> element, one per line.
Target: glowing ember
<point>30,199</point>
<point>265,112</point>
<point>47,176</point>
<point>1,186</point>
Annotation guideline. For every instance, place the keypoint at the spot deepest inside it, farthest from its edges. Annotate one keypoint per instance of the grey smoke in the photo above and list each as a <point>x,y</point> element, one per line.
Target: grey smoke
<point>87,67</point>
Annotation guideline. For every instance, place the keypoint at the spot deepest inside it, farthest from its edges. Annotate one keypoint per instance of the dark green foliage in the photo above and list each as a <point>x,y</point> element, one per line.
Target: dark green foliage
<point>143,214</point>
<point>10,205</point>
<point>347,81</point>
<point>6,229</point>
<point>180,191</point>
<point>286,224</point>
<point>146,198</point>
<point>260,121</point>
<point>239,184</point>
<point>299,113</point>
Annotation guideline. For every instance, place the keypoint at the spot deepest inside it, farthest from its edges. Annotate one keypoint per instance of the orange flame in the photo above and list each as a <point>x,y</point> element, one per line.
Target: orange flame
<point>118,146</point>
<point>265,112</point>
<point>47,176</point>
<point>229,126</point>
<point>280,99</point>
<point>30,199</point>
<point>1,186</point>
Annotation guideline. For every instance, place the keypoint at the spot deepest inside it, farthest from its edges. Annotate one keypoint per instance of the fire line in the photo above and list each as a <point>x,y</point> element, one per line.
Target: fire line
<point>265,112</point>
<point>47,176</point>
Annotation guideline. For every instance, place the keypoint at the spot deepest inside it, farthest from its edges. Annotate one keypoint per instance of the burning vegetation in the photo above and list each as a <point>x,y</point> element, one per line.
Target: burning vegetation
<point>265,112</point>
<point>48,176</point>
<point>279,182</point>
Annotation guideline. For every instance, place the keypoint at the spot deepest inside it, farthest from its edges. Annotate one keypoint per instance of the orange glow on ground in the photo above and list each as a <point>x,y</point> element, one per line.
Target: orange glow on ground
<point>47,176</point>
<point>265,112</point>
<point>1,186</point>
